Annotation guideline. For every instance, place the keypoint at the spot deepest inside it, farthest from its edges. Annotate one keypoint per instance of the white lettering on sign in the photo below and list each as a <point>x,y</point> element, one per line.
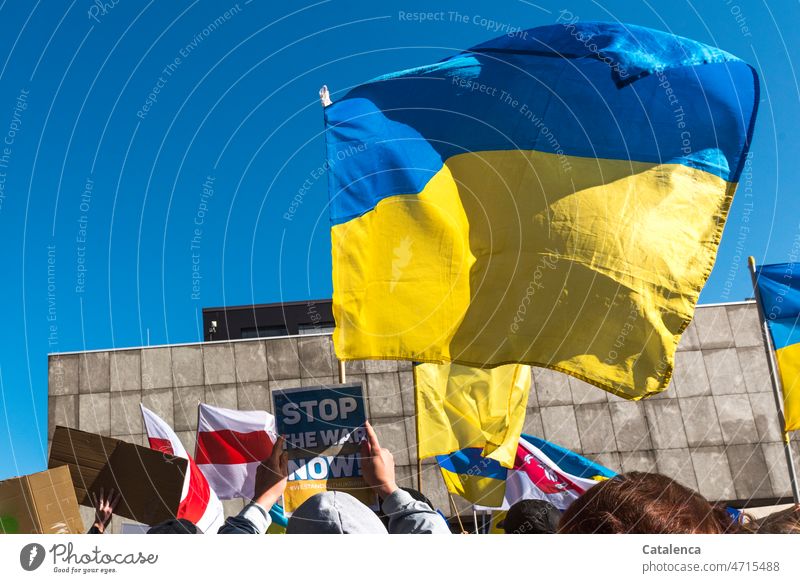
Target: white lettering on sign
<point>290,414</point>
<point>303,440</point>
<point>324,467</point>
<point>341,435</point>
<point>325,409</point>
<point>317,469</point>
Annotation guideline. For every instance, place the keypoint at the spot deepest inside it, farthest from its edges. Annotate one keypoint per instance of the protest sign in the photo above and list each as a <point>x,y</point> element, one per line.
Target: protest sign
<point>150,482</point>
<point>323,427</point>
<point>40,503</point>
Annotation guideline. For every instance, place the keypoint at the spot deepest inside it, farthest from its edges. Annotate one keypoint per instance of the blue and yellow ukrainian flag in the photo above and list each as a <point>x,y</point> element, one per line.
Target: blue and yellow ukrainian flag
<point>480,480</point>
<point>483,481</point>
<point>553,197</point>
<point>779,292</point>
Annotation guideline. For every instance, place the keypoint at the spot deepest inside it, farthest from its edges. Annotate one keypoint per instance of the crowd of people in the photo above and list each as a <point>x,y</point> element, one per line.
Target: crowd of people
<point>633,502</point>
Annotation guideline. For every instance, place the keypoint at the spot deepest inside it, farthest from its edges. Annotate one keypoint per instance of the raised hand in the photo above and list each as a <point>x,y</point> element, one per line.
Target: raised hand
<point>104,508</point>
<point>377,464</point>
<point>272,476</point>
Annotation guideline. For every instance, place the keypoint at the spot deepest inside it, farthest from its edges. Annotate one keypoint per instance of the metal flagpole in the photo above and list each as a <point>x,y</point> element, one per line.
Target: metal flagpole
<point>416,427</point>
<point>325,101</point>
<point>776,389</point>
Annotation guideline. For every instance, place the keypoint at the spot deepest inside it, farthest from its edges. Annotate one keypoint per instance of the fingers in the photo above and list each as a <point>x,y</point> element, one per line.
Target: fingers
<point>105,503</point>
<point>115,499</point>
<point>277,449</point>
<point>364,449</point>
<point>372,438</point>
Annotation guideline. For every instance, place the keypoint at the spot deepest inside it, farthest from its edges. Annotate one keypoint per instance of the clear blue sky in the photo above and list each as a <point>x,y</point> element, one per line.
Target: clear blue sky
<point>233,135</point>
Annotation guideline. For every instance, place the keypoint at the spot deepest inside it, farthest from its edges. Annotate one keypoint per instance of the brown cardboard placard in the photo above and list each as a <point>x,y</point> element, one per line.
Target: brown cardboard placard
<point>40,503</point>
<point>150,482</point>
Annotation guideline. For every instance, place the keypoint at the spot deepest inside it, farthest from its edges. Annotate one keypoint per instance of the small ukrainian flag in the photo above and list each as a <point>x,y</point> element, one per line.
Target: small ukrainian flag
<point>779,292</point>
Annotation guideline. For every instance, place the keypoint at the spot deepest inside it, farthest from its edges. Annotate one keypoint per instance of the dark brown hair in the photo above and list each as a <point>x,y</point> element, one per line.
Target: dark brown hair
<point>783,522</point>
<point>643,503</point>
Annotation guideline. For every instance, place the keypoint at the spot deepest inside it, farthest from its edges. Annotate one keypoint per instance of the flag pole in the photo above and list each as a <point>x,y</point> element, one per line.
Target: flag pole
<point>325,101</point>
<point>774,377</point>
<point>416,427</point>
<point>454,510</point>
<point>342,373</point>
<point>196,431</point>
<point>324,96</point>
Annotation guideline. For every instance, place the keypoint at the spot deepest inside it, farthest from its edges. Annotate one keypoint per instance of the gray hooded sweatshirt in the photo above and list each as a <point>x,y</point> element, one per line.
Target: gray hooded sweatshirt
<point>340,513</point>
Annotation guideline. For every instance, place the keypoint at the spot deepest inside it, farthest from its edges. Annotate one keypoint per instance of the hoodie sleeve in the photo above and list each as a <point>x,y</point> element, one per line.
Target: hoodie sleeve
<point>253,519</point>
<point>409,516</point>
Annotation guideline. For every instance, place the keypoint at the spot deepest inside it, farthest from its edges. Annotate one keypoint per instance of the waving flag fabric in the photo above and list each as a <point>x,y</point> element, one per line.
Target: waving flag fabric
<point>199,503</point>
<point>554,198</point>
<point>462,406</point>
<point>779,292</point>
<point>230,446</point>
<point>480,480</point>
<point>542,471</point>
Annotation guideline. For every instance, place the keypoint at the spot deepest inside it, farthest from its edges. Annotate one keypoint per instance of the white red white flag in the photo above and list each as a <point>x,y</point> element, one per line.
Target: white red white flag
<point>230,446</point>
<point>199,502</point>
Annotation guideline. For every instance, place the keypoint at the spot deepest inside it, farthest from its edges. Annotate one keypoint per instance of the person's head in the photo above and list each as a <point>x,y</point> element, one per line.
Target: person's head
<point>783,522</point>
<point>334,513</point>
<point>531,517</point>
<point>174,526</point>
<point>643,503</point>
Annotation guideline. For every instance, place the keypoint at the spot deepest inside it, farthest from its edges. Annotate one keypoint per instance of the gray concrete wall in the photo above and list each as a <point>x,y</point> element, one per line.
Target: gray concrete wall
<point>714,429</point>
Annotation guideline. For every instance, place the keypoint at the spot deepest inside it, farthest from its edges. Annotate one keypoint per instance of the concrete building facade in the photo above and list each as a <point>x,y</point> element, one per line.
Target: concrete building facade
<point>715,429</point>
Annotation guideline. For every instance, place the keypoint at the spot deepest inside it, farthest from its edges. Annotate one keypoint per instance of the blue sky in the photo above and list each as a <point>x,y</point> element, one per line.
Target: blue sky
<point>144,118</point>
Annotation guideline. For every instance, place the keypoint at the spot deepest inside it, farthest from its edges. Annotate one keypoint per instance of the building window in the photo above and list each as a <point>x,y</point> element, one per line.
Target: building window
<point>264,331</point>
<point>303,329</point>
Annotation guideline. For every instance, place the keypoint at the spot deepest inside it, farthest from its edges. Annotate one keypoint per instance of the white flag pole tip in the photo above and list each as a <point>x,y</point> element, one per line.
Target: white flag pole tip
<point>325,96</point>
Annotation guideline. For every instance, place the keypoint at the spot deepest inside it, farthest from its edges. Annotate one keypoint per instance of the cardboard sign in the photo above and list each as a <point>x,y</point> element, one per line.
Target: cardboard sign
<point>41,503</point>
<point>150,482</point>
<point>323,427</point>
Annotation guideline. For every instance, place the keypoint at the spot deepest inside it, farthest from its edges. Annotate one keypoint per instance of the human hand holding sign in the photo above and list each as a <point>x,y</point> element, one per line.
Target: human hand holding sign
<point>272,476</point>
<point>104,509</point>
<point>377,465</point>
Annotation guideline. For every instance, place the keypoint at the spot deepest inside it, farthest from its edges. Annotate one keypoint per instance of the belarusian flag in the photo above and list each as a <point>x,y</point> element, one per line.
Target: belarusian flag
<point>199,502</point>
<point>231,445</point>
